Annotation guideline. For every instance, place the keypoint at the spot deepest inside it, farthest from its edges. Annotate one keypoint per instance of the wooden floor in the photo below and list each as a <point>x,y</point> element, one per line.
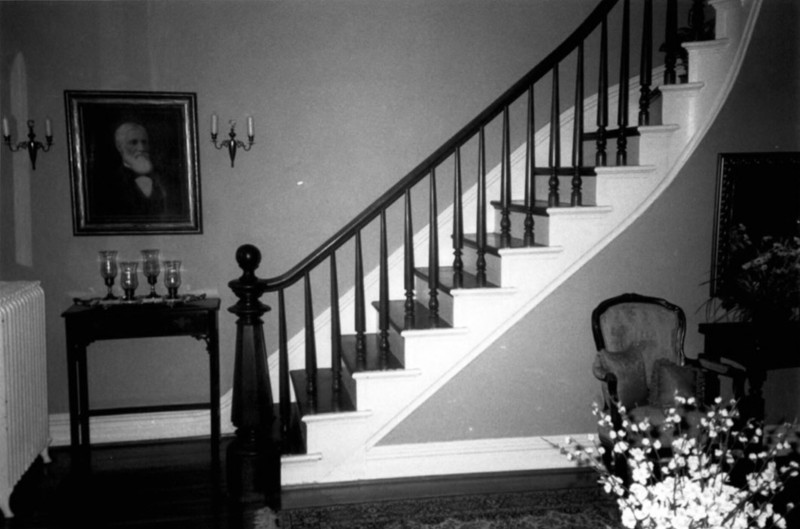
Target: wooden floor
<point>174,485</point>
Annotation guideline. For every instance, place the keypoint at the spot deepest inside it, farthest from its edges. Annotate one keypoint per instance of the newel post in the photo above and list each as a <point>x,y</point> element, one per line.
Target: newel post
<point>253,458</point>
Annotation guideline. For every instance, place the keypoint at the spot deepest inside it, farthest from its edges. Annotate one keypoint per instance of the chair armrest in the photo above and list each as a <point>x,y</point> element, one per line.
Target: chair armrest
<point>608,378</point>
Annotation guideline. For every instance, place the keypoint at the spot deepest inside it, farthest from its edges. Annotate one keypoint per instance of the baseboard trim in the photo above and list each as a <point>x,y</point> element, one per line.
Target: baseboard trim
<point>144,426</point>
<point>469,457</point>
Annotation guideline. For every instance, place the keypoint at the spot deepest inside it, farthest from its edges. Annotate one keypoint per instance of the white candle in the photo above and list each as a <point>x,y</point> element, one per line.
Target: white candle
<point>5,128</point>
<point>213,124</point>
<point>249,125</point>
<point>48,127</point>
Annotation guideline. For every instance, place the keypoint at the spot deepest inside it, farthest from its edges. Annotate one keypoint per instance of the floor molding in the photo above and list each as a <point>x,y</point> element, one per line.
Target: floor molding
<point>145,426</point>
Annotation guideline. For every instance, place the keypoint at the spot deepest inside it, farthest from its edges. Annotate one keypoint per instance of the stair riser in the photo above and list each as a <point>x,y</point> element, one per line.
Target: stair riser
<point>429,349</point>
<point>655,144</point>
<point>622,185</point>
<point>683,100</point>
<point>385,392</point>
<point>706,58</point>
<point>728,20</point>
<point>335,437</point>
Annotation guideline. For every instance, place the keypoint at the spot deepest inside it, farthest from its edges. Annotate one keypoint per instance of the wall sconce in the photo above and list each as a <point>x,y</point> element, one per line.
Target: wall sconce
<point>232,143</point>
<point>31,145</point>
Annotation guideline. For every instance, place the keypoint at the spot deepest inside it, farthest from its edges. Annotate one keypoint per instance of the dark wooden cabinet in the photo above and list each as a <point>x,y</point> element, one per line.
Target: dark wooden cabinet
<point>758,348</point>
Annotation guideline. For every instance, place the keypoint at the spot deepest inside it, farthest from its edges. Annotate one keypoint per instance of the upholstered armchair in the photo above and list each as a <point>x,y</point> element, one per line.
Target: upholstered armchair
<point>640,360</point>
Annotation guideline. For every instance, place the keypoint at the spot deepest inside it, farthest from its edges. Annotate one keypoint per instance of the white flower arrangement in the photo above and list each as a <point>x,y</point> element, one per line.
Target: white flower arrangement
<point>719,476</point>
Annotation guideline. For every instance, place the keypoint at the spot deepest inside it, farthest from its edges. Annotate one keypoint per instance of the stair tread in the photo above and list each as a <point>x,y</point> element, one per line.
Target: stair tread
<point>422,318</point>
<point>372,361</point>
<point>326,401</point>
<point>447,279</point>
<point>540,207</point>
<point>564,170</point>
<point>494,243</point>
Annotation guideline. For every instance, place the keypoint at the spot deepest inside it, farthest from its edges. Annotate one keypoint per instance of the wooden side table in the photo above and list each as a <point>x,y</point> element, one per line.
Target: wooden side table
<point>87,324</point>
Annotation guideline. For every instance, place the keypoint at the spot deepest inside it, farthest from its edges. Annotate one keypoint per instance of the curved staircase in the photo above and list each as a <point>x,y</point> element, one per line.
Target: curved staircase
<point>422,334</point>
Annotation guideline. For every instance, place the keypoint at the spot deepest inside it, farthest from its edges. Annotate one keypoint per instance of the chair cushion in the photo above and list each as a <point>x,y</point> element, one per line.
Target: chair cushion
<point>628,367</point>
<point>625,324</point>
<point>669,379</point>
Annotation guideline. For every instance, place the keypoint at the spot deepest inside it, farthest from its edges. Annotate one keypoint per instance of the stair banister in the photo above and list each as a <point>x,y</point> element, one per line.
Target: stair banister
<point>462,136</point>
<point>248,287</point>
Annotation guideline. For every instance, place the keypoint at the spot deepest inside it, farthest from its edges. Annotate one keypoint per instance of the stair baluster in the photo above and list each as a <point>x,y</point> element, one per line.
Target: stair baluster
<point>336,338</point>
<point>383,300</point>
<point>530,171</point>
<point>576,197</point>
<point>505,183</point>
<point>602,96</point>
<point>283,373</point>
<point>360,314</point>
<point>555,143</point>
<point>622,103</point>
<point>311,345</point>
<point>458,222</point>
<point>433,251</point>
<point>671,43</point>
<point>408,261</point>
<point>697,20</point>
<point>646,64</point>
<point>480,233</point>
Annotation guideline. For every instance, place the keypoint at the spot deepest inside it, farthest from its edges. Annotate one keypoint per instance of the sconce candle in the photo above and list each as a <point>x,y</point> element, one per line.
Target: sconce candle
<point>232,144</point>
<point>32,146</point>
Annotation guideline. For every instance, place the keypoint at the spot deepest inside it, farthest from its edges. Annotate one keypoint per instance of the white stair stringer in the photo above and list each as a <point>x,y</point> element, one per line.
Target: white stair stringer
<point>346,448</point>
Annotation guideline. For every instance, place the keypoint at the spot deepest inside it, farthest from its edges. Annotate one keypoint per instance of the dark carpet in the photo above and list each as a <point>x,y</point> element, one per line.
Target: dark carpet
<point>576,508</point>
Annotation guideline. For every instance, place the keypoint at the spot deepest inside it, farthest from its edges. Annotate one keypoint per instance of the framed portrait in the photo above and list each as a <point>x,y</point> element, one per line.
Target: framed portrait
<point>760,191</point>
<point>133,162</point>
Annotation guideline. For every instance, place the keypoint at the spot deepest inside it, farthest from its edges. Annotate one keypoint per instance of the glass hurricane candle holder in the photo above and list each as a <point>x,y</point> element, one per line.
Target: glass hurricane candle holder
<point>108,269</point>
<point>151,267</point>
<point>128,278</point>
<point>172,278</point>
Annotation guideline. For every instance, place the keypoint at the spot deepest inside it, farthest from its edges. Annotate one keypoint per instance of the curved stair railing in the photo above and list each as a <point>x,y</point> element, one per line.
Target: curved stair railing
<point>319,391</point>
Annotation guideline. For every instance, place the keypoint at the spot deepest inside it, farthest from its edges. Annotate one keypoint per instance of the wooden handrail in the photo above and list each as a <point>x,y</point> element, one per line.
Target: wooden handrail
<point>447,149</point>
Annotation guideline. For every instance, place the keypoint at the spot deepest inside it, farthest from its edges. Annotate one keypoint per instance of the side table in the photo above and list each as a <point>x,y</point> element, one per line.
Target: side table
<point>87,324</point>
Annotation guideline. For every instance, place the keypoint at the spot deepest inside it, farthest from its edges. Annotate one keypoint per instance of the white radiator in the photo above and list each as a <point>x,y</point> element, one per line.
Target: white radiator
<point>24,423</point>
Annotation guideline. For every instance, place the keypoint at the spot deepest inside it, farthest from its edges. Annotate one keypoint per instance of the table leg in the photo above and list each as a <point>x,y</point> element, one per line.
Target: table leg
<point>213,354</point>
<point>73,352</point>
<point>83,397</point>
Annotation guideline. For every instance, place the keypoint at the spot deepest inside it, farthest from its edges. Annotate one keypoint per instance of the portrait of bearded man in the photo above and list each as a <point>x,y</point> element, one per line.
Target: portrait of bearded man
<point>133,161</point>
<point>134,187</point>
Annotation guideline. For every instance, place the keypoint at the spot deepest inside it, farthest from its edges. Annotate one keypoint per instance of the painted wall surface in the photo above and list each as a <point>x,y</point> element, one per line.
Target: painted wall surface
<point>536,379</point>
<point>347,96</point>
